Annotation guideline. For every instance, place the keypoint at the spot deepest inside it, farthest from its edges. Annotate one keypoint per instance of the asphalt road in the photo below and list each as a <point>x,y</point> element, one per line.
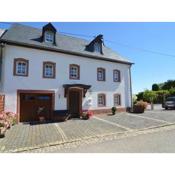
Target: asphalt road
<point>157,142</point>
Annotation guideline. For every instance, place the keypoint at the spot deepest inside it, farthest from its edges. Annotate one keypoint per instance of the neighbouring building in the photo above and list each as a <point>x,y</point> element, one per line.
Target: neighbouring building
<point>44,69</point>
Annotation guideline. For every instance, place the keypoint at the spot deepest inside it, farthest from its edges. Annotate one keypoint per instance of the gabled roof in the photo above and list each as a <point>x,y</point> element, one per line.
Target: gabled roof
<point>30,37</point>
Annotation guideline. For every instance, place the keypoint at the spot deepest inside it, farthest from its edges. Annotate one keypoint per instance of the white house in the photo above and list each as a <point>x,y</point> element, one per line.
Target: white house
<point>43,69</point>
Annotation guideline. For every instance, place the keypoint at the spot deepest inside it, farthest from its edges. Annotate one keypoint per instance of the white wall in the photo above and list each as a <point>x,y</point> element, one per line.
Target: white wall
<point>88,75</point>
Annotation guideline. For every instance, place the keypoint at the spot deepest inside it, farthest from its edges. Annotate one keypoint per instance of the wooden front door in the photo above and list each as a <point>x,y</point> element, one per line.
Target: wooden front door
<point>31,103</point>
<point>75,102</point>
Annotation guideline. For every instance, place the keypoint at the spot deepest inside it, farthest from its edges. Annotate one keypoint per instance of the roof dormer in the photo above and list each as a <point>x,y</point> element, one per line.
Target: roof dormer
<point>96,45</point>
<point>48,34</point>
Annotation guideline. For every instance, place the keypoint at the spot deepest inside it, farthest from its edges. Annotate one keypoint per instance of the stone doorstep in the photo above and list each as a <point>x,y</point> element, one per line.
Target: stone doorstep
<point>118,135</point>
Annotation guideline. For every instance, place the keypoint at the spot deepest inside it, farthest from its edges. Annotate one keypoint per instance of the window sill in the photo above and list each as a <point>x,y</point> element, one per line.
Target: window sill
<point>49,77</point>
<point>20,75</point>
<point>74,78</point>
<point>101,80</point>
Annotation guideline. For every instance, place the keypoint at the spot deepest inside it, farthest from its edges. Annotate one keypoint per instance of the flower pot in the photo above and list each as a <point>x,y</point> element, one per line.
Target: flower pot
<point>85,116</point>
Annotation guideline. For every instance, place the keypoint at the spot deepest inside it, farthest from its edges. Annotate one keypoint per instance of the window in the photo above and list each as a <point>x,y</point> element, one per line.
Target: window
<point>116,75</point>
<point>49,37</point>
<point>43,97</point>
<point>20,67</point>
<point>49,70</point>
<point>101,100</point>
<point>117,99</point>
<point>74,72</point>
<point>28,97</point>
<point>100,74</point>
<point>97,47</point>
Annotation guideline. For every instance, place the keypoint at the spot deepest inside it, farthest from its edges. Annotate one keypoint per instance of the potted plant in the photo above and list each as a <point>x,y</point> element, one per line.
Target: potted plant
<point>113,109</point>
<point>85,115</point>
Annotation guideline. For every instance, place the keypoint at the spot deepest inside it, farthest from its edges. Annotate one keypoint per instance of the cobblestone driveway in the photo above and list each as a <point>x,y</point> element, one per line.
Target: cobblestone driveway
<point>25,136</point>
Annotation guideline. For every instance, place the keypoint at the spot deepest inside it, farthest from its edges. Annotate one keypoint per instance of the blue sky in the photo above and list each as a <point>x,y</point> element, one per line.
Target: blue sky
<point>149,68</point>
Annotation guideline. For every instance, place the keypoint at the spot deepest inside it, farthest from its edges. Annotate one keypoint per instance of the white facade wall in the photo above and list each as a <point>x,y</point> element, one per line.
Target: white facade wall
<point>88,75</point>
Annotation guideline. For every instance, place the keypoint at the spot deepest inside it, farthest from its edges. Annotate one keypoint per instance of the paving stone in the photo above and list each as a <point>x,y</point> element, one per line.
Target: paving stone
<point>168,116</point>
<point>132,121</point>
<point>38,135</point>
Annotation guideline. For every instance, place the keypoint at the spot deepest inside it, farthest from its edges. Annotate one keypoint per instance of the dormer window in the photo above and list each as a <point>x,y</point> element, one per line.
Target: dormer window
<point>97,47</point>
<point>49,34</point>
<point>49,37</point>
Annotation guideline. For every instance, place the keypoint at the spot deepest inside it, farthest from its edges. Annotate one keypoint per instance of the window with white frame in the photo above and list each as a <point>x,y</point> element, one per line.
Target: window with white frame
<point>97,47</point>
<point>48,70</point>
<point>74,72</point>
<point>117,99</point>
<point>116,75</point>
<point>101,100</point>
<point>49,37</point>
<point>100,74</point>
<point>20,67</point>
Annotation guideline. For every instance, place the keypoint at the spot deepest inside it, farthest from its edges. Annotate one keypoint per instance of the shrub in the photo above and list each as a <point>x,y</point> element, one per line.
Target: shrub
<point>113,109</point>
<point>140,106</point>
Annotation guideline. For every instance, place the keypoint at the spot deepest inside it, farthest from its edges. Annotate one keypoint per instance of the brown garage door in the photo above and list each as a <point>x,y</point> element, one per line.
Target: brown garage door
<point>31,105</point>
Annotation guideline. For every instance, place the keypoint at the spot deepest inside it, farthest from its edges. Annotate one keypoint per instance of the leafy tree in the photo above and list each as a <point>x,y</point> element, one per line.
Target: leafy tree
<point>172,91</point>
<point>169,85</point>
<point>140,96</point>
<point>161,94</point>
<point>149,96</point>
<point>155,87</point>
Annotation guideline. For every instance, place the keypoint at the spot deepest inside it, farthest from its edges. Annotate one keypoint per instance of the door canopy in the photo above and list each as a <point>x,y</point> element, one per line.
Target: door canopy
<point>84,88</point>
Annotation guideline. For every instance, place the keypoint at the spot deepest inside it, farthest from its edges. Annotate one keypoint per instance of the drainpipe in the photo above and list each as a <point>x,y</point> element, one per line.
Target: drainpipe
<point>131,88</point>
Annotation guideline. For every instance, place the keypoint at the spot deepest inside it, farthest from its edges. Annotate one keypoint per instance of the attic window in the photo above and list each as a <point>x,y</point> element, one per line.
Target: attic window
<point>97,47</point>
<point>49,37</point>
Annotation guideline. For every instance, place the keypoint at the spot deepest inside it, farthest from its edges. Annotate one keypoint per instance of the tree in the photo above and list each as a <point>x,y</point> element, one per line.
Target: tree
<point>155,87</point>
<point>140,96</point>
<point>172,91</point>
<point>161,95</point>
<point>149,96</point>
<point>169,85</point>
